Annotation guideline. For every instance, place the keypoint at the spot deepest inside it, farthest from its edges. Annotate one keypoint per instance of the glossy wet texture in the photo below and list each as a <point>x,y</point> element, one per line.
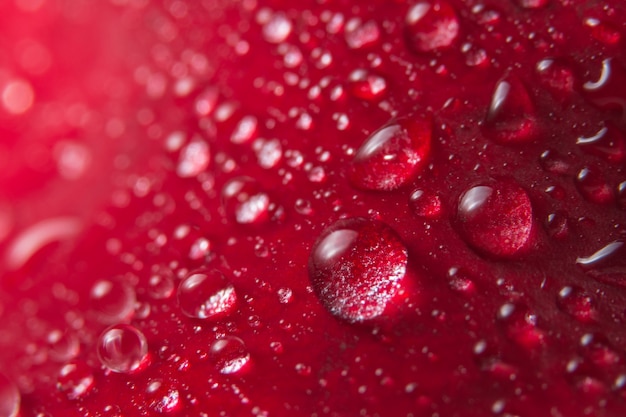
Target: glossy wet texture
<point>261,207</point>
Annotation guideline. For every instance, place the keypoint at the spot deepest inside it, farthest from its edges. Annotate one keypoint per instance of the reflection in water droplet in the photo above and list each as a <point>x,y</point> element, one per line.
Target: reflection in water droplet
<point>206,294</point>
<point>112,301</point>
<point>75,379</point>
<point>122,348</point>
<point>9,398</point>
<point>277,28</point>
<point>520,325</point>
<point>431,25</point>
<point>391,156</point>
<point>496,219</point>
<point>357,267</point>
<point>366,85</point>
<point>601,256</point>
<point>229,355</point>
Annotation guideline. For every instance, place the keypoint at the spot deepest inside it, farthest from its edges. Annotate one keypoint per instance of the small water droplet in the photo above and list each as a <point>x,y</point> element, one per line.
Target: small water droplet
<point>357,267</point>
<point>511,115</point>
<point>194,158</point>
<point>593,187</point>
<point>520,325</point>
<point>577,303</point>
<point>392,156</point>
<point>75,379</point>
<point>367,85</point>
<point>122,348</point>
<point>532,4</point>
<point>9,398</point>
<point>112,301</point>
<point>17,96</point>
<point>161,283</point>
<point>608,91</point>
<point>206,294</point>
<point>554,163</point>
<point>557,77</point>
<point>62,346</point>
<point>245,202</point>
<point>162,397</point>
<point>497,218</point>
<point>361,34</point>
<point>230,355</point>
<point>607,143</point>
<point>425,204</point>
<point>558,224</point>
<point>431,25</point>
<point>277,28</point>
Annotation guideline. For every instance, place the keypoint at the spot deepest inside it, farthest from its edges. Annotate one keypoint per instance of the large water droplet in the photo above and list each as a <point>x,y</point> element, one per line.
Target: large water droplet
<point>496,218</point>
<point>392,155</point>
<point>607,143</point>
<point>122,348</point>
<point>75,379</point>
<point>229,354</point>
<point>357,267</point>
<point>431,25</point>
<point>9,398</point>
<point>245,202</point>
<point>511,115</point>
<point>112,301</point>
<point>206,294</point>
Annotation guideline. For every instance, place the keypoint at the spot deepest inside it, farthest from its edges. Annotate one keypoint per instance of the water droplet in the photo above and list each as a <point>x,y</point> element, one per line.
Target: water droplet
<point>496,219</point>
<point>461,281</point>
<point>511,115</point>
<point>532,4</point>
<point>17,96</point>
<point>245,130</point>
<point>357,267</point>
<point>277,28</point>
<point>122,348</point>
<point>268,152</point>
<point>112,301</point>
<point>557,77</point>
<point>424,204</point>
<point>554,163</point>
<point>194,158</point>
<point>75,379</point>
<point>621,195</point>
<point>161,283</point>
<point>603,31</point>
<point>593,187</point>
<point>367,85</point>
<point>206,294</point>
<point>520,325</point>
<point>602,256</point>
<point>607,264</point>
<point>599,351</point>
<point>608,143</point>
<point>361,34</point>
<point>577,303</point>
<point>392,156</point>
<point>245,202</point>
<point>558,225</point>
<point>230,355</point>
<point>162,397</point>
<point>608,91</point>
<point>9,398</point>
<point>431,25</point>
<point>62,346</point>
